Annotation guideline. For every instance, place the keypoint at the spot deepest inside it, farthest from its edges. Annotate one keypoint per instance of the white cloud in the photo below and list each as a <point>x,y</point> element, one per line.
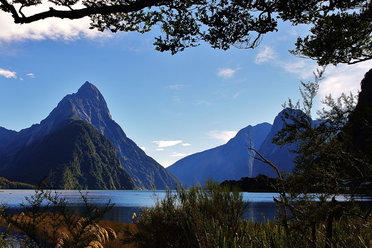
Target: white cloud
<point>343,79</point>
<point>51,28</point>
<point>159,149</point>
<point>203,102</point>
<point>143,148</point>
<point>31,75</point>
<point>224,135</point>
<point>226,73</point>
<point>180,154</point>
<point>7,73</point>
<point>303,68</point>
<point>166,143</point>
<point>237,94</point>
<point>186,144</point>
<point>300,67</point>
<point>265,54</point>
<point>175,86</point>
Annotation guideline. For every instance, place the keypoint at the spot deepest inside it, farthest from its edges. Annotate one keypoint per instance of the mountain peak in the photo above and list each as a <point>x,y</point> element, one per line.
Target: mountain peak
<point>88,90</point>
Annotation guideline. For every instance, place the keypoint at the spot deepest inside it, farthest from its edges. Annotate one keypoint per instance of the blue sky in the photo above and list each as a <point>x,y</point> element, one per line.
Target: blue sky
<point>170,106</point>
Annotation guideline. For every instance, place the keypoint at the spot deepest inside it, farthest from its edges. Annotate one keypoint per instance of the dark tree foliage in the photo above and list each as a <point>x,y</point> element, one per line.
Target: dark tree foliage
<point>261,183</point>
<point>333,160</point>
<point>336,150</point>
<point>340,29</point>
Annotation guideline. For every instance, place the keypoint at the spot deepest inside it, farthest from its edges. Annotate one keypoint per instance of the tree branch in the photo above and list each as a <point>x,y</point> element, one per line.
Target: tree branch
<point>79,13</point>
<point>263,159</point>
<point>359,60</point>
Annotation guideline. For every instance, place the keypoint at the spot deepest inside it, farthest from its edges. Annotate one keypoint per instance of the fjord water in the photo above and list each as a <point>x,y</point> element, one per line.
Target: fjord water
<point>126,202</point>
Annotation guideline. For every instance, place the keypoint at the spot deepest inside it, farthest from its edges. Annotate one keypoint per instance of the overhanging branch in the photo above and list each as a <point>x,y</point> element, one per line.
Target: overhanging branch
<point>79,13</point>
<point>263,159</point>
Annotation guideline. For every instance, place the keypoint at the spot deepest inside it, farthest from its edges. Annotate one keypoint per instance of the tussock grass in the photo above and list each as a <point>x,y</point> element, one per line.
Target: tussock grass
<point>212,217</point>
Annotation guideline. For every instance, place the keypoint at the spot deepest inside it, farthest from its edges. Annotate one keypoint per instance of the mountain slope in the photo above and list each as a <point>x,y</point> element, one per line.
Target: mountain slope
<point>281,156</point>
<point>75,156</point>
<point>6,184</point>
<point>226,162</point>
<point>89,105</point>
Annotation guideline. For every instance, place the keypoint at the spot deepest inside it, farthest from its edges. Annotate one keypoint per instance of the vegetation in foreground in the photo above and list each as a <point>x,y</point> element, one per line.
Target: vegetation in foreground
<point>213,217</point>
<point>47,221</point>
<point>198,217</point>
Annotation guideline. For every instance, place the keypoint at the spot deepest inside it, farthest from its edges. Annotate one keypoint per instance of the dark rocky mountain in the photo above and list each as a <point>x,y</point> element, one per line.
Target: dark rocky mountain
<point>357,133</point>
<point>360,121</point>
<point>74,156</point>
<point>226,162</point>
<point>89,105</point>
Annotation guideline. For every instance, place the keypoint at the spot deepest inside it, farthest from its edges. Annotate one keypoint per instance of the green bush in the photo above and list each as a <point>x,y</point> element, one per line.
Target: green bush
<point>198,217</point>
<point>212,217</point>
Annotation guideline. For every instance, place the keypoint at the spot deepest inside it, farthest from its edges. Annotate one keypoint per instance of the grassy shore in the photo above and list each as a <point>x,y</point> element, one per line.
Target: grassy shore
<point>210,217</point>
<point>116,231</point>
<point>348,232</point>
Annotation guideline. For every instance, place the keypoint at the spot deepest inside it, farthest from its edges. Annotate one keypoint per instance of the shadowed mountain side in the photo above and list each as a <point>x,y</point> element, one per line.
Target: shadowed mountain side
<point>75,156</point>
<point>226,162</point>
<point>5,136</point>
<point>281,156</point>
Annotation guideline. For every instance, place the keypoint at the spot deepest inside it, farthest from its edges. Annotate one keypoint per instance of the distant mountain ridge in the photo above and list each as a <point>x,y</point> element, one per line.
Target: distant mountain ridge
<point>281,156</point>
<point>89,105</point>
<point>226,162</point>
<point>233,160</point>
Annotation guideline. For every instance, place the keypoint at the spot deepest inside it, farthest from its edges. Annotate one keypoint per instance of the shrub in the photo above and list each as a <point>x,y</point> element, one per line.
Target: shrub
<point>198,217</point>
<point>212,217</point>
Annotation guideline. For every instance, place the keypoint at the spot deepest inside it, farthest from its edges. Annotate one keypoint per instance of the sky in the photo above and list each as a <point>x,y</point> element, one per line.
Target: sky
<point>170,105</point>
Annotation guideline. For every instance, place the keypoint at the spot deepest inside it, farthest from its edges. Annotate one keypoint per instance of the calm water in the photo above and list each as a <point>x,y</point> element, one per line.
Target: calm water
<point>261,205</point>
<point>129,201</point>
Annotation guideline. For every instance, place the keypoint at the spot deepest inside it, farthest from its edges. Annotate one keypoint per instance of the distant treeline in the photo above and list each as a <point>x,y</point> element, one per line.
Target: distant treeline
<point>6,184</point>
<point>261,183</point>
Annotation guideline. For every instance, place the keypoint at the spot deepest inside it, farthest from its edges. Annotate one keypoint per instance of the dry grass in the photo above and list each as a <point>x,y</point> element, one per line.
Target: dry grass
<point>348,232</point>
<point>103,234</point>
